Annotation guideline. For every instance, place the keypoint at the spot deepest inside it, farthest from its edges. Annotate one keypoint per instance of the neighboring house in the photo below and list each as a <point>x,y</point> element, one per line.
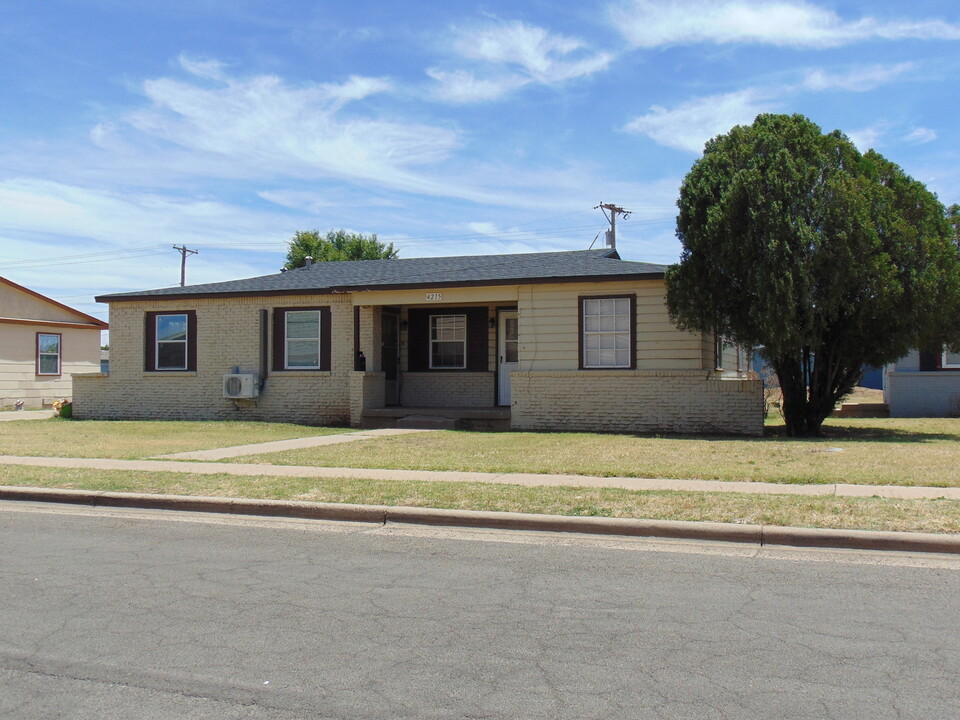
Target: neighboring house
<point>923,384</point>
<point>42,344</point>
<point>543,341</point>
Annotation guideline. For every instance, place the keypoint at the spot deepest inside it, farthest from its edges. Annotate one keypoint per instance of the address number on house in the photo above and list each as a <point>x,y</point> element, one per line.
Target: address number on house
<point>434,296</point>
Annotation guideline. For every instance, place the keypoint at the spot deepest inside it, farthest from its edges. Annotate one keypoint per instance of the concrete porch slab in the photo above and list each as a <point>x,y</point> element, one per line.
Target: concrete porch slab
<point>438,418</point>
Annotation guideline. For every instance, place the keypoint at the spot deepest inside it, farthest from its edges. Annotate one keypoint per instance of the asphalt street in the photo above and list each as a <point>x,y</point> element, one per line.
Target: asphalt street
<point>152,614</point>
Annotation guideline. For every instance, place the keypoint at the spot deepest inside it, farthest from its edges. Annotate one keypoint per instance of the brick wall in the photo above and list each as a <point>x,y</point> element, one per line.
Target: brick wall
<point>447,389</point>
<point>366,391</point>
<point>228,337</point>
<point>636,401</point>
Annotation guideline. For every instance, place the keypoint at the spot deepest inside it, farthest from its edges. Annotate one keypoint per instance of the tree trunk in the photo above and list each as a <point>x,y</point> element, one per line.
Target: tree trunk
<point>810,393</point>
<point>802,415</point>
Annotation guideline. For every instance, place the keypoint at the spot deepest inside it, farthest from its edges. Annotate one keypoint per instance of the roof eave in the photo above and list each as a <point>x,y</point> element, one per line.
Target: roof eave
<point>656,275</point>
<point>501,282</point>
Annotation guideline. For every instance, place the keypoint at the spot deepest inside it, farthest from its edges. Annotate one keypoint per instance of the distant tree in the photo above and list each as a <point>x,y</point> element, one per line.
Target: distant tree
<point>824,258</point>
<point>953,215</point>
<point>335,245</point>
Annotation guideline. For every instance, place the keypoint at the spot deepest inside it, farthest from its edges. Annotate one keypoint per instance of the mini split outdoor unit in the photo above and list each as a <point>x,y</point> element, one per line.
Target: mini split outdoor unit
<point>241,385</point>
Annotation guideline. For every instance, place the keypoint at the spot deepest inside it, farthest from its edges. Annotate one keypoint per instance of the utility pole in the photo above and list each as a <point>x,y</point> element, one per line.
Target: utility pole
<point>184,251</point>
<point>611,235</point>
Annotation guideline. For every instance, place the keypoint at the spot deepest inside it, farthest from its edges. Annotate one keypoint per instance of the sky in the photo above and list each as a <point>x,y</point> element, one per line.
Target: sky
<point>446,128</point>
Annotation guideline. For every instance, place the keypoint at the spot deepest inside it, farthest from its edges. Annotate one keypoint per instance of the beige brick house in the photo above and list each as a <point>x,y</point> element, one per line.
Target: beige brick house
<point>43,343</point>
<point>547,341</point>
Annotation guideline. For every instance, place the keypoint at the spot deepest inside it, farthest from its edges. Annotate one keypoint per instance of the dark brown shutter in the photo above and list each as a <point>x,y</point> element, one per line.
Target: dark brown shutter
<point>418,340</point>
<point>580,331</point>
<point>278,337</point>
<point>150,341</point>
<point>930,361</point>
<point>325,325</point>
<point>191,340</point>
<point>478,334</point>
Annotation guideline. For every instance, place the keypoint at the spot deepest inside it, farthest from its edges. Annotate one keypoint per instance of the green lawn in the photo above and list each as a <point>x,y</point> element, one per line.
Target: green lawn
<point>871,451</point>
<point>129,439</point>
<point>823,512</point>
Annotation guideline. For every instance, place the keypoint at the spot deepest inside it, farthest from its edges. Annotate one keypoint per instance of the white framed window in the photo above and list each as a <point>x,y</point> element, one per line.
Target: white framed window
<point>607,332</point>
<point>171,342</point>
<point>302,340</point>
<point>950,360</point>
<point>448,342</point>
<point>48,353</point>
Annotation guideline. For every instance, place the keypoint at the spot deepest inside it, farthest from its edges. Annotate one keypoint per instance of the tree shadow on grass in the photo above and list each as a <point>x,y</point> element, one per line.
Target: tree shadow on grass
<point>865,434</point>
<point>830,433</point>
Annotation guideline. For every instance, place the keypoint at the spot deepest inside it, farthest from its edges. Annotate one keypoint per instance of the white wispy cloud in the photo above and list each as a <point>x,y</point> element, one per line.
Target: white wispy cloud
<point>921,135</point>
<point>113,240</point>
<point>545,57</point>
<point>355,88</point>
<point>859,79</point>
<point>265,126</point>
<point>689,125</point>
<point>509,55</point>
<point>202,67</point>
<point>652,23</point>
<point>483,228</point>
<point>322,200</point>
<point>124,219</point>
<point>868,137</point>
<point>462,86</point>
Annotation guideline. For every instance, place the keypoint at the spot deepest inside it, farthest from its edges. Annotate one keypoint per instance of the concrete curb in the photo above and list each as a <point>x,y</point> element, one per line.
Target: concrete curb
<point>723,532</point>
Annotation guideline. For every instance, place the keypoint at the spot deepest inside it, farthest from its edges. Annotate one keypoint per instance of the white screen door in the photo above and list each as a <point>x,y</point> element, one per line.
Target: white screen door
<point>507,354</point>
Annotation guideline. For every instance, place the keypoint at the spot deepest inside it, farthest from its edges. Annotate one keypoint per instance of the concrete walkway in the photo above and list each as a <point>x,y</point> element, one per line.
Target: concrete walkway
<point>25,415</point>
<point>527,479</point>
<point>281,445</point>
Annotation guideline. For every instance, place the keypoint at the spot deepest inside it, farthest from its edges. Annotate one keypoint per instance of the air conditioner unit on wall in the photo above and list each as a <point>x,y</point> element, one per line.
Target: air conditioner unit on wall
<point>241,385</point>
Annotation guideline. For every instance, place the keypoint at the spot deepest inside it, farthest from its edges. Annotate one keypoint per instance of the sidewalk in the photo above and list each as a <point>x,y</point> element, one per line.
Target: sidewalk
<point>8,416</point>
<point>281,445</point>
<point>527,479</point>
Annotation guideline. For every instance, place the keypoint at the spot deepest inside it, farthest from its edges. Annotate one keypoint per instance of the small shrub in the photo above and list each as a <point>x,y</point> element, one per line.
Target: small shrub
<point>63,408</point>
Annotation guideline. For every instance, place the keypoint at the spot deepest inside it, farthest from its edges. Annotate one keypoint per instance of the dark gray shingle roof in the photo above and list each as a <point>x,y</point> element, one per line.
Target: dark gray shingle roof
<point>462,270</point>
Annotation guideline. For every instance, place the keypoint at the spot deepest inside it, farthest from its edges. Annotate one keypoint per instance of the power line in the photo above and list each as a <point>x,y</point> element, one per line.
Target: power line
<point>414,240</point>
<point>81,259</point>
<point>87,255</point>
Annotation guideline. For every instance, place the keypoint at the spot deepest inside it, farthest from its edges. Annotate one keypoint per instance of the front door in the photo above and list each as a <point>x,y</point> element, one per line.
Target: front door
<point>390,356</point>
<point>507,353</point>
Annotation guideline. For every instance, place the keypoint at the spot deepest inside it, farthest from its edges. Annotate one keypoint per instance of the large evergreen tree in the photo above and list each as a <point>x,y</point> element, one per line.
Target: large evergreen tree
<point>335,245</point>
<point>824,258</point>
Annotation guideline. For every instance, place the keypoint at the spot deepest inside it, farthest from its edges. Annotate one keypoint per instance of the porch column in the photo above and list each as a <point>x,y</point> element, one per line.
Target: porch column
<point>366,386</point>
<point>367,326</point>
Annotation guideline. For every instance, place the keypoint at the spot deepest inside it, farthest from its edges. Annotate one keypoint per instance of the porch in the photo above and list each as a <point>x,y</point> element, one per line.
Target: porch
<point>443,365</point>
<point>437,418</point>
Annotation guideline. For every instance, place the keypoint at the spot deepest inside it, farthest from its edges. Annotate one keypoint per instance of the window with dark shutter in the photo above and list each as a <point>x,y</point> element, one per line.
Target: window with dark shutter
<point>170,341</point>
<point>301,338</point>
<point>444,339</point>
